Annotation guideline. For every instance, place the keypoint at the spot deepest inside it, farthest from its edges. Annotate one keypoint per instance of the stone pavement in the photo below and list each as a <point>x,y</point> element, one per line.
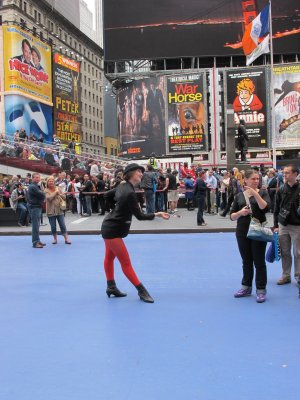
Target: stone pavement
<point>183,222</point>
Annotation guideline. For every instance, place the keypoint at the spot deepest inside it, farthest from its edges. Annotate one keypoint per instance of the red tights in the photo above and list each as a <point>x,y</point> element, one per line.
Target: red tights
<point>116,248</point>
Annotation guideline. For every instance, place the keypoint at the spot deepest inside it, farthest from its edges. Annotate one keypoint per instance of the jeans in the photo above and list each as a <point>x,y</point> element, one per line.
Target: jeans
<point>35,213</point>
<point>150,201</point>
<point>201,205</point>
<point>88,202</point>
<point>253,251</point>
<point>160,201</point>
<point>61,222</point>
<point>22,208</point>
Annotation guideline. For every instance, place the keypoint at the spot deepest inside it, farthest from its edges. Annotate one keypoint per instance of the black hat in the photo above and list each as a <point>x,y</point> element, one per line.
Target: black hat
<point>133,167</point>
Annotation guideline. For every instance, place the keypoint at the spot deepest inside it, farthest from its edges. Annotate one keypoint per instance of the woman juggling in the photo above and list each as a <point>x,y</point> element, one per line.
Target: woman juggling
<point>251,202</point>
<point>116,226</point>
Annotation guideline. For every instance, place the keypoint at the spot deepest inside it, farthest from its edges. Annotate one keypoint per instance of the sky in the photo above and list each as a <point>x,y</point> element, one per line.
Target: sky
<point>91,7</point>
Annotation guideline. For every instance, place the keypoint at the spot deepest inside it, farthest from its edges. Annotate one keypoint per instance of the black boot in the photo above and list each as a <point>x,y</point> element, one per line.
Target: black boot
<point>112,290</point>
<point>143,293</point>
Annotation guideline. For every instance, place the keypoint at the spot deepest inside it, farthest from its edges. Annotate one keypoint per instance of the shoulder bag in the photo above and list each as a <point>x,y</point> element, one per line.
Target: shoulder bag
<point>258,230</point>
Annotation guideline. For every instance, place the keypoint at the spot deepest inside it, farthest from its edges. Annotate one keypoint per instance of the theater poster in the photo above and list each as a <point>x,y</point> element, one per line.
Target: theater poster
<point>141,118</point>
<point>287,105</point>
<point>246,91</point>
<point>67,107</point>
<point>27,65</point>
<point>187,123</point>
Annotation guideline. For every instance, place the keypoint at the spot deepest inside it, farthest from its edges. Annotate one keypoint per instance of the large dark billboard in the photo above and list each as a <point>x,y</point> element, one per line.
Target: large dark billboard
<point>135,29</point>
<point>246,91</point>
<point>67,107</point>
<point>141,118</point>
<point>186,98</point>
<point>287,105</point>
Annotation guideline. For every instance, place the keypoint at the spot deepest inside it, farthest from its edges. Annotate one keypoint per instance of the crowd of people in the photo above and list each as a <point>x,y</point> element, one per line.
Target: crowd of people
<point>29,147</point>
<point>241,194</point>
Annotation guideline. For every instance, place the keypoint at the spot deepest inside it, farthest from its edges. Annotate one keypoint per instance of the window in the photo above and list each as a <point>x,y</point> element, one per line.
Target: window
<point>100,101</point>
<point>79,48</point>
<point>85,93</point>
<point>101,127</point>
<point>85,120</point>
<point>25,7</point>
<point>97,126</point>
<point>89,68</point>
<point>75,45</point>
<point>90,108</point>
<point>93,71</point>
<point>93,111</point>
<point>39,17</point>
<point>90,124</point>
<point>97,112</point>
<point>94,126</point>
<point>59,33</point>
<point>84,65</point>
<point>66,37</point>
<point>101,114</point>
<point>71,41</point>
<point>102,140</point>
<point>89,80</point>
<point>97,99</point>
<point>35,15</point>
<point>93,97</point>
<point>84,79</point>
<point>94,138</point>
<point>85,107</point>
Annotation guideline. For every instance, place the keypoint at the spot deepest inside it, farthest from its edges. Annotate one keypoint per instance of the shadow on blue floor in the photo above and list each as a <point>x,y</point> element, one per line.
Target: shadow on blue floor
<point>61,338</point>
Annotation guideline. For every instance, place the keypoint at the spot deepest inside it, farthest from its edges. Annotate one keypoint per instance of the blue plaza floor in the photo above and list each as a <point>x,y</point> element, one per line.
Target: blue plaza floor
<point>61,338</point>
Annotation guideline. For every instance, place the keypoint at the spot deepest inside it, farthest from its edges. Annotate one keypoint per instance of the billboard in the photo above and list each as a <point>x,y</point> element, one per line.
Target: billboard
<point>246,91</point>
<point>141,117</point>
<point>187,127</point>
<point>34,116</point>
<point>287,105</point>
<point>135,29</point>
<point>27,65</point>
<point>66,96</point>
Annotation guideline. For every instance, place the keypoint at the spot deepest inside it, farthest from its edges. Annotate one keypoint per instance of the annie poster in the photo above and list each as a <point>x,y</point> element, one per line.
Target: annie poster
<point>187,122</point>
<point>246,91</point>
<point>287,105</point>
<point>141,118</point>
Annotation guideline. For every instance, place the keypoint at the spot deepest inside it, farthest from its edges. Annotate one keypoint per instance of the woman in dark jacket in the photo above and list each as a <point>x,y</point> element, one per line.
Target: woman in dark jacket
<point>252,251</point>
<point>116,226</point>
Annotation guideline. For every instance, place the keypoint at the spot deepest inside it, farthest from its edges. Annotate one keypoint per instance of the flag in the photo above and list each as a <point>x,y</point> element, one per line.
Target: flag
<point>255,31</point>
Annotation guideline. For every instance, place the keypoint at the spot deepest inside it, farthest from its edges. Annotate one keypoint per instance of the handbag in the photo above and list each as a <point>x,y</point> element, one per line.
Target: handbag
<point>62,204</point>
<point>258,230</point>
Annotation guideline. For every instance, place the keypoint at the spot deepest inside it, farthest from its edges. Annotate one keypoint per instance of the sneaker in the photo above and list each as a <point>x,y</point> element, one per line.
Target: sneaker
<point>284,280</point>
<point>243,293</point>
<point>260,297</point>
<point>222,214</point>
<point>22,226</point>
<point>203,224</point>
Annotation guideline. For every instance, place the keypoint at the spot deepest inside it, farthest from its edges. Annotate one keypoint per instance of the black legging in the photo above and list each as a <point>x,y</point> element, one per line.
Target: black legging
<point>253,252</point>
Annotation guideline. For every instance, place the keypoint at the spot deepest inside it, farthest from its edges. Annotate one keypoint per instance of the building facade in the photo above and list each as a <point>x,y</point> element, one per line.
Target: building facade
<point>52,25</point>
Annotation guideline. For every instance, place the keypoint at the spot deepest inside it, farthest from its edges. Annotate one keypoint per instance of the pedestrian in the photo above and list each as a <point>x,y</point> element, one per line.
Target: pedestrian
<point>251,251</point>
<point>200,194</point>
<point>36,197</point>
<point>287,223</point>
<point>116,226</point>
<point>55,207</point>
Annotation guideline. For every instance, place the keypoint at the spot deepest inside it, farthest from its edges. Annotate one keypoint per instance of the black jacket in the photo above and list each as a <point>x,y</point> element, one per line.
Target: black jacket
<point>244,221</point>
<point>288,198</point>
<point>117,223</point>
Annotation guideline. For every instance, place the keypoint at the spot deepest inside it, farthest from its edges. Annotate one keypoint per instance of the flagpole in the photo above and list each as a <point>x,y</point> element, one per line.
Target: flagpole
<point>273,133</point>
